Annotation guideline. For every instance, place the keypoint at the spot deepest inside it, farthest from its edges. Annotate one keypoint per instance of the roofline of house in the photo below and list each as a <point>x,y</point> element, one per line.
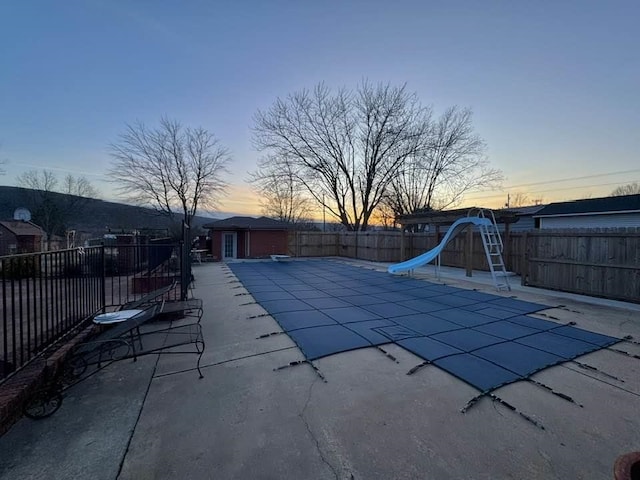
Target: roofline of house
<point>582,214</point>
<point>240,227</point>
<point>7,224</point>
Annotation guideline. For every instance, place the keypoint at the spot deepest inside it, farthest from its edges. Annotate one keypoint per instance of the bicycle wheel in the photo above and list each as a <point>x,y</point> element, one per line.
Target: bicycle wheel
<point>43,404</point>
<point>73,369</point>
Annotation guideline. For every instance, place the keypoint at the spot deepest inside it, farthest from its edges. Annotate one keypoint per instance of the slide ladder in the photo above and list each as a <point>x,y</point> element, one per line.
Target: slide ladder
<point>493,247</point>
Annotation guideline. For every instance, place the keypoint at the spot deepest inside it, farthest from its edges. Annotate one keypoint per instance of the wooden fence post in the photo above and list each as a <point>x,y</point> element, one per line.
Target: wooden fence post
<point>506,244</point>
<point>411,253</point>
<point>525,259</point>
<point>469,252</point>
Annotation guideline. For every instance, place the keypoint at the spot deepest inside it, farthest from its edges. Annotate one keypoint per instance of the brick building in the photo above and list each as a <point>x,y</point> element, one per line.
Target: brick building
<point>17,236</point>
<point>248,237</point>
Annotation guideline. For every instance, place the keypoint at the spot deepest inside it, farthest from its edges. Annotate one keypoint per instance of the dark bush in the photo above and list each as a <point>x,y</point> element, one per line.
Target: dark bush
<point>21,267</point>
<point>109,268</point>
<point>72,270</point>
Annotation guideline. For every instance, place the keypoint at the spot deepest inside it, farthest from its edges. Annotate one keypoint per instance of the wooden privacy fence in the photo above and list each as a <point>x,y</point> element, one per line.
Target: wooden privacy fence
<point>383,246</point>
<point>603,263</point>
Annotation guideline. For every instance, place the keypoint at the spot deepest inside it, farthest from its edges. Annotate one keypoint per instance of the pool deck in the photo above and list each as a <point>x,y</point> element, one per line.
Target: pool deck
<point>154,419</point>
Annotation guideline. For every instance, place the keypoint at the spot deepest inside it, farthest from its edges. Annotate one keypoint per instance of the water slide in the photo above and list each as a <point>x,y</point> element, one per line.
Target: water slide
<point>429,256</point>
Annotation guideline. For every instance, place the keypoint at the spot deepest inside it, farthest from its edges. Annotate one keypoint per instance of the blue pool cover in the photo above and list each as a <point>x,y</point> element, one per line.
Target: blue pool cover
<point>485,340</point>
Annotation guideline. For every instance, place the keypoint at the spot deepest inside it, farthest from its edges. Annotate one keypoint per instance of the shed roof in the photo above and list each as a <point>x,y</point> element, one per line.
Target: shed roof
<point>20,228</point>
<point>248,223</point>
<point>624,203</point>
<point>528,210</point>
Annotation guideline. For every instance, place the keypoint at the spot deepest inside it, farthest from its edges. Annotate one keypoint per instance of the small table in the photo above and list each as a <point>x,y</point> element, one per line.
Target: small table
<point>115,317</point>
<point>121,316</point>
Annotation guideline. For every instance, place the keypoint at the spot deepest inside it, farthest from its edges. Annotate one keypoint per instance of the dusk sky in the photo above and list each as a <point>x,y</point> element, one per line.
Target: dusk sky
<point>554,85</point>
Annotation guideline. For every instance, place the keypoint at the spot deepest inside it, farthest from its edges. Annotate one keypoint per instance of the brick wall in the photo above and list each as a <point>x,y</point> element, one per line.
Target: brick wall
<point>216,245</point>
<point>17,390</point>
<point>268,242</point>
<point>262,243</point>
<point>241,245</point>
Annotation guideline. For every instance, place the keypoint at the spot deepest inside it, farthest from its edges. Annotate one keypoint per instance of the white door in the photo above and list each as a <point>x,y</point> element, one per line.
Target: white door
<point>229,245</point>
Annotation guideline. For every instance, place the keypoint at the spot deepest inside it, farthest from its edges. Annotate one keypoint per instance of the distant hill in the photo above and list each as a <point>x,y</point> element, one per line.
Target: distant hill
<point>95,217</point>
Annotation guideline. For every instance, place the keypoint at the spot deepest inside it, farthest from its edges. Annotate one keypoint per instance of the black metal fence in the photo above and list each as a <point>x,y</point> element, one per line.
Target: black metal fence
<point>46,296</point>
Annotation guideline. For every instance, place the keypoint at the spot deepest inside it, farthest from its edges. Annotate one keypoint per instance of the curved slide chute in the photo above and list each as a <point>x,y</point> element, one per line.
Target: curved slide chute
<point>429,256</point>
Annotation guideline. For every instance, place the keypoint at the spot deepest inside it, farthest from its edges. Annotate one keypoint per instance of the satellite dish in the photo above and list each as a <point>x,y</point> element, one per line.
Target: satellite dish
<point>22,213</point>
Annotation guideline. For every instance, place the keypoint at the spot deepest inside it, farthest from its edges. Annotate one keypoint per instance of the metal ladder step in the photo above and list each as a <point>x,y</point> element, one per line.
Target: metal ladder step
<point>493,246</point>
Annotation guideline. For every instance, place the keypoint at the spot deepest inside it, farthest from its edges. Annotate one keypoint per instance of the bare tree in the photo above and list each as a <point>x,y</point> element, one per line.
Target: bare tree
<point>385,216</point>
<point>53,203</point>
<point>629,189</point>
<point>45,207</point>
<point>451,162</point>
<point>78,186</point>
<point>345,147</point>
<point>282,195</point>
<point>43,180</point>
<point>171,168</point>
<point>518,199</point>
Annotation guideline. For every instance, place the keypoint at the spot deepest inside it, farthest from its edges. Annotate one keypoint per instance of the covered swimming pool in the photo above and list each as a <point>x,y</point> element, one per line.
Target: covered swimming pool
<point>328,307</point>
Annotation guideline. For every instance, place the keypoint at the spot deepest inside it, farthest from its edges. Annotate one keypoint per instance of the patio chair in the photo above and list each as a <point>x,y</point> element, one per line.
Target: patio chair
<point>126,334</point>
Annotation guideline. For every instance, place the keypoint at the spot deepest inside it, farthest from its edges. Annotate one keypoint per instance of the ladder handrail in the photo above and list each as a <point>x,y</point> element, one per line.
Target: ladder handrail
<point>495,225</point>
<point>481,214</point>
<point>489,232</point>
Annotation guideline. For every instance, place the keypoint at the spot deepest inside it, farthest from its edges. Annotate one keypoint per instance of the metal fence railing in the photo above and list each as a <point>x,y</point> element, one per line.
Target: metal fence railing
<point>46,296</point>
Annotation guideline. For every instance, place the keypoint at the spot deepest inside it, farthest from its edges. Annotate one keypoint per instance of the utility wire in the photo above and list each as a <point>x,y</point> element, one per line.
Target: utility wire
<point>560,180</point>
<point>499,195</point>
<point>575,178</point>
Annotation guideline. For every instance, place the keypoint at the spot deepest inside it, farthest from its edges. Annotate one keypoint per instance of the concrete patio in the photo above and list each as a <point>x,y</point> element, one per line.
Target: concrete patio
<point>154,419</point>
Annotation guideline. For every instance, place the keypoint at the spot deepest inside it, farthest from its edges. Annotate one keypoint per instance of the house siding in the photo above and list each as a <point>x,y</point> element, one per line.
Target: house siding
<point>523,224</point>
<point>613,220</point>
<point>7,238</point>
<point>28,244</point>
<point>12,243</point>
